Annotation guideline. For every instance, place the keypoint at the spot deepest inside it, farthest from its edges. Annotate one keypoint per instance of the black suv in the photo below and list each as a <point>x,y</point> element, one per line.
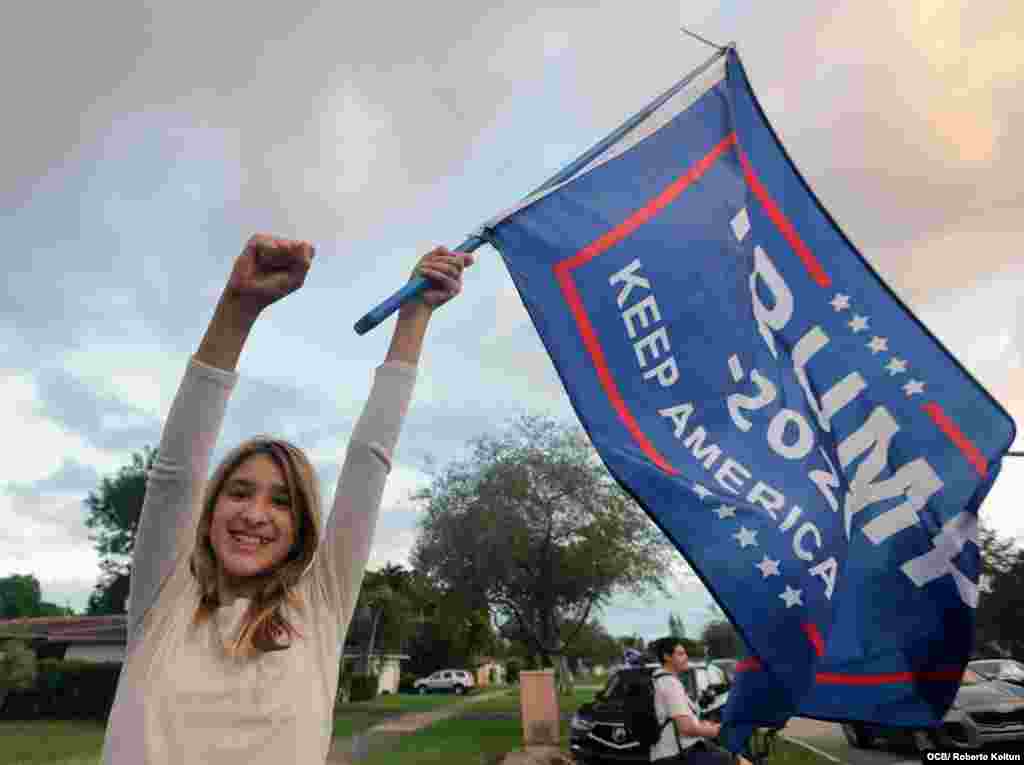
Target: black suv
<point>598,732</point>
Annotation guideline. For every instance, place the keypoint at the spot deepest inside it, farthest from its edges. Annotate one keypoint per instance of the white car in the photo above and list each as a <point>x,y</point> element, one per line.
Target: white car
<point>457,680</point>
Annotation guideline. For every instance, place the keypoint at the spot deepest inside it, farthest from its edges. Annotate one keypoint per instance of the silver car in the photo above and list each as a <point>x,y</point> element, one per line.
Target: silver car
<point>457,680</point>
<point>1008,670</point>
<point>983,712</point>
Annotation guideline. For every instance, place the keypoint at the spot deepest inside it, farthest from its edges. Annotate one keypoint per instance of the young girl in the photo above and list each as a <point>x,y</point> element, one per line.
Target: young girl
<point>240,599</point>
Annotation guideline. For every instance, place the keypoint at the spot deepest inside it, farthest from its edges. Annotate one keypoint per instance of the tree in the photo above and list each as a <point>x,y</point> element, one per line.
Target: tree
<point>446,629</point>
<point>721,640</point>
<point>1001,596</point>
<point>22,597</point>
<point>532,527</point>
<point>632,641</point>
<point>17,661</point>
<point>675,626</point>
<point>384,597</point>
<point>113,516</point>
<point>594,646</point>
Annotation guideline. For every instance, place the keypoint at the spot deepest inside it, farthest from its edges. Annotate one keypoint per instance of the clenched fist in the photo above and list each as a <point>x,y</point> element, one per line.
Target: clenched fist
<point>268,269</point>
<point>444,270</point>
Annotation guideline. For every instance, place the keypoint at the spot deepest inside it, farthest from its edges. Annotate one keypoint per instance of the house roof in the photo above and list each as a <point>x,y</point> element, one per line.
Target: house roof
<point>73,629</point>
<point>113,629</point>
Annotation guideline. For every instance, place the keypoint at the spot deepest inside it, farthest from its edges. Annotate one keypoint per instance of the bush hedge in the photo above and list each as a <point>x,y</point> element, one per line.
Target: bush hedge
<point>406,682</point>
<point>512,670</point>
<point>66,690</point>
<point>364,688</point>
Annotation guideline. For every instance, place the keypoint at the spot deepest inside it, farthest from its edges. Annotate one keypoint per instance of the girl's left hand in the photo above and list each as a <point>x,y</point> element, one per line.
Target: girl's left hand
<point>444,270</point>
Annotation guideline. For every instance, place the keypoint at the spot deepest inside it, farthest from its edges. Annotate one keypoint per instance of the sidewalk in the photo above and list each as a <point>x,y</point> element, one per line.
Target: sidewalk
<point>348,751</point>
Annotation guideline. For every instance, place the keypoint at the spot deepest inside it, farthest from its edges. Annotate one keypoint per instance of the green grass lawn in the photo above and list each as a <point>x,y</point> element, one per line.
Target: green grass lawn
<point>480,733</point>
<point>53,742</point>
<point>68,742</point>
<point>483,731</point>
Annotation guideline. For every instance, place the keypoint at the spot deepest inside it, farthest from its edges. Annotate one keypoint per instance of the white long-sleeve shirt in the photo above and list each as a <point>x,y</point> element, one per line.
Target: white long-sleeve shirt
<point>180,699</point>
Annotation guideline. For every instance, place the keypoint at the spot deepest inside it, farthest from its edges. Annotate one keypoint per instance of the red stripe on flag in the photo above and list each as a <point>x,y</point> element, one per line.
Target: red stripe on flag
<point>652,208</point>
<point>935,676</point>
<point>961,441</point>
<point>563,273</point>
<point>593,346</point>
<point>752,664</point>
<point>788,231</point>
<point>811,630</point>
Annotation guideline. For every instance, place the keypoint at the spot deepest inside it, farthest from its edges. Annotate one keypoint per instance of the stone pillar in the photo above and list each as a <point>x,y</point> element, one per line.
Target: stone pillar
<point>539,704</point>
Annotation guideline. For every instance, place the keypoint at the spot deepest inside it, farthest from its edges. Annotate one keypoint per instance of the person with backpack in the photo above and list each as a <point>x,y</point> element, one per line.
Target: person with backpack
<point>682,736</point>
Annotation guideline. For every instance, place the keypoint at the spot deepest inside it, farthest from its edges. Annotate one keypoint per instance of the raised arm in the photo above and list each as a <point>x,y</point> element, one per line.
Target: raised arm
<point>267,270</point>
<point>349,532</point>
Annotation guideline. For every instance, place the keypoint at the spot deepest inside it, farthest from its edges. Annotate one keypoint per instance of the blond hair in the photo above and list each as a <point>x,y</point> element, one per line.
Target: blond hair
<point>264,622</point>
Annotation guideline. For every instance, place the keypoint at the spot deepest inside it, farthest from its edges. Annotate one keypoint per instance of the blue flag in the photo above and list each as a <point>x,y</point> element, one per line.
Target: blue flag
<point>803,440</point>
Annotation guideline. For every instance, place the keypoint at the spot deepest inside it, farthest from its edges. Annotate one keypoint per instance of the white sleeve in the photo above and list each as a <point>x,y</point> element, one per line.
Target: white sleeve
<point>676,699</point>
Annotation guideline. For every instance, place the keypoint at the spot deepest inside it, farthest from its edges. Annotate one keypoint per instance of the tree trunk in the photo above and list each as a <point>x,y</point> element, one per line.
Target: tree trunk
<point>564,680</point>
<point>373,640</point>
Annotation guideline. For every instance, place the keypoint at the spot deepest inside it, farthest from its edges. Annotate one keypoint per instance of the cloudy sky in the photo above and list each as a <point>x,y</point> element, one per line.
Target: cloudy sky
<point>143,144</point>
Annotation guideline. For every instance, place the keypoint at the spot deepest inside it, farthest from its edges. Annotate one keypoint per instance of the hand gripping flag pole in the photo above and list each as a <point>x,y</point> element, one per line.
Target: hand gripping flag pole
<point>417,285</point>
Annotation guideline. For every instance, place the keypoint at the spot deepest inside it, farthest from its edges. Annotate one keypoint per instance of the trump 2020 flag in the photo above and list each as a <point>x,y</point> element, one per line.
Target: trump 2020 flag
<point>810,448</point>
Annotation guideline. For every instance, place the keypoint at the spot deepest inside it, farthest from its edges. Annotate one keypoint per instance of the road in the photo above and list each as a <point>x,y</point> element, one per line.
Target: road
<point>829,739</point>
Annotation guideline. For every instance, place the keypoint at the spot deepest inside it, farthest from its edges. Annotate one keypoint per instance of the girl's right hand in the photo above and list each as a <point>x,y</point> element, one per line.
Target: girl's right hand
<point>268,269</point>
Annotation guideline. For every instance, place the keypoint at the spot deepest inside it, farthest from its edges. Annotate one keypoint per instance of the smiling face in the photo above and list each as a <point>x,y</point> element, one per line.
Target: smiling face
<point>253,527</point>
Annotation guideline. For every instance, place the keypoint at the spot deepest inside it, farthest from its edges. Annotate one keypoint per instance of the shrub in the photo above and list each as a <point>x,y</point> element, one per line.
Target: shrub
<point>67,690</point>
<point>364,688</point>
<point>17,666</point>
<point>406,682</point>
<point>512,668</point>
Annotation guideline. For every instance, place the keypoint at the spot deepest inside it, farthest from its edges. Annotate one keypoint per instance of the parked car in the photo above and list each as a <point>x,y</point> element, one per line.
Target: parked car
<point>728,666</point>
<point>457,680</point>
<point>983,712</point>
<point>598,732</point>
<point>1007,670</point>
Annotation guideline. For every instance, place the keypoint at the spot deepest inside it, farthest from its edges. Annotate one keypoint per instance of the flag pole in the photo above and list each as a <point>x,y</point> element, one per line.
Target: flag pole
<point>416,285</point>
<point>696,36</point>
<point>412,288</point>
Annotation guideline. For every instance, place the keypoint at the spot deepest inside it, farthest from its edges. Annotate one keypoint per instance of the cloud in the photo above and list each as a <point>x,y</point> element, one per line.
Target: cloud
<point>138,172</point>
<point>72,476</point>
<point>43,524</point>
<point>103,421</point>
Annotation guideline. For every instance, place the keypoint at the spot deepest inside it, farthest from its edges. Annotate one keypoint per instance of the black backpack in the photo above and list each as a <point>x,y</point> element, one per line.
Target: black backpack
<point>641,718</point>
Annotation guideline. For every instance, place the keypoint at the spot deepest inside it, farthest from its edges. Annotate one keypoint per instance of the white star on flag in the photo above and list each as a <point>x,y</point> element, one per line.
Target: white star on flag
<point>878,344</point>
<point>914,386</point>
<point>701,491</point>
<point>840,302</point>
<point>725,511</point>
<point>858,323</point>
<point>745,537</point>
<point>768,567</point>
<point>792,597</point>
<point>895,366</point>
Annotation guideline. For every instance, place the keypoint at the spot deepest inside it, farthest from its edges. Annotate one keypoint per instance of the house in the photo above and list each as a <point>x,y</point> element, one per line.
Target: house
<point>386,666</point>
<point>489,671</point>
<point>81,638</point>
<point>105,639</point>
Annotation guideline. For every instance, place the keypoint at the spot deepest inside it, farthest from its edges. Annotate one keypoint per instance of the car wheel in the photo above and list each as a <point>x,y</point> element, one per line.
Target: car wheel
<point>424,690</point>
<point>857,735</point>
<point>459,690</point>
<point>924,740</point>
